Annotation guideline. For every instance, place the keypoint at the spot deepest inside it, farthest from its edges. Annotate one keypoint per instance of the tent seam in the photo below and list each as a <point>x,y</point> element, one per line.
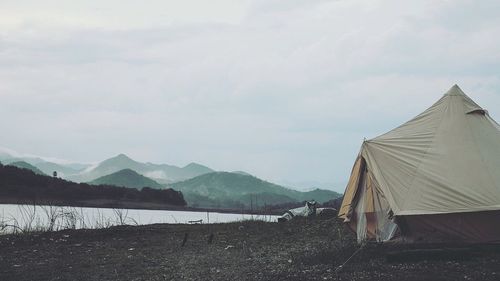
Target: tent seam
<point>426,151</point>
<point>476,147</point>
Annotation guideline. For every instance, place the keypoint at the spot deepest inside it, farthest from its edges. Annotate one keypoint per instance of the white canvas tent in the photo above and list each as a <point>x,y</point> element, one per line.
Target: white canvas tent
<point>434,178</point>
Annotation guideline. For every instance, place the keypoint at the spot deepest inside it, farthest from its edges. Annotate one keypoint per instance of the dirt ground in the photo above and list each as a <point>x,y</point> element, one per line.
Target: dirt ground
<point>300,250</point>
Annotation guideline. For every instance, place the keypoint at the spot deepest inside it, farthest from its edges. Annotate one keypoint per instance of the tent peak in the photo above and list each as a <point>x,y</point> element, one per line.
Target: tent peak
<point>455,91</point>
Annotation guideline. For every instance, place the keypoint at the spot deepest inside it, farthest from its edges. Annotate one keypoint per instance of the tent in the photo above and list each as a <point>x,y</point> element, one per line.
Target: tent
<point>436,178</point>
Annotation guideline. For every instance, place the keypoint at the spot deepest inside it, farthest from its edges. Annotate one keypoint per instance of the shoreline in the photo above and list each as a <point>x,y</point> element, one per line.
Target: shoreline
<point>120,204</point>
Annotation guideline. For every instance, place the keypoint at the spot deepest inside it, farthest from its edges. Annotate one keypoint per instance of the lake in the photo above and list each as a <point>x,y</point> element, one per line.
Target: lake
<point>42,218</point>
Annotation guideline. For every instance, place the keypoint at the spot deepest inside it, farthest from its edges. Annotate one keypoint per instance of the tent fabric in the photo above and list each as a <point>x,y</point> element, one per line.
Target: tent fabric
<point>370,215</point>
<point>346,208</point>
<point>446,160</point>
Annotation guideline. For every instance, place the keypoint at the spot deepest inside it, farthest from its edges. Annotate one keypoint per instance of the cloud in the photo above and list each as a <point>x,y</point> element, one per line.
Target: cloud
<point>116,14</point>
<point>283,90</point>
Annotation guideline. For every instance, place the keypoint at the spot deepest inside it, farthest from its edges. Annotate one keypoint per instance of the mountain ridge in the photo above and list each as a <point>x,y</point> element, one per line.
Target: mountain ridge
<point>28,166</point>
<point>127,178</point>
<point>157,172</point>
<point>227,189</point>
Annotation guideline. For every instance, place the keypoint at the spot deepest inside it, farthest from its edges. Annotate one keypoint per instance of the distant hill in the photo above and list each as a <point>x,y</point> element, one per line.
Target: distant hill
<point>323,194</point>
<point>334,203</point>
<point>24,165</point>
<point>159,172</point>
<point>233,190</point>
<point>127,178</point>
<point>63,170</point>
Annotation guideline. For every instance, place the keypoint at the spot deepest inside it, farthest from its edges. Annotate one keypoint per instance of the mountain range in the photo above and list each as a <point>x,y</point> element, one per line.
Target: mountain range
<point>201,186</point>
<point>161,173</point>
<point>79,172</point>
<point>225,189</point>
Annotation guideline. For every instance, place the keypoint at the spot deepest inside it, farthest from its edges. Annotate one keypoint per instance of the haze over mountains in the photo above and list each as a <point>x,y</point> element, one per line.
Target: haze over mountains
<point>25,165</point>
<point>79,172</point>
<point>201,186</point>
<point>45,165</point>
<point>162,173</point>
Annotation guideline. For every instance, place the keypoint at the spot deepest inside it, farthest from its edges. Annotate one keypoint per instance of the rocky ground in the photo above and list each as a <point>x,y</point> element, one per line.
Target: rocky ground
<point>299,250</point>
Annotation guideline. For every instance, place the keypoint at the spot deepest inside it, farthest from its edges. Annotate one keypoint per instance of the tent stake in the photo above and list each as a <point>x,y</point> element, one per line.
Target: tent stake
<point>337,270</point>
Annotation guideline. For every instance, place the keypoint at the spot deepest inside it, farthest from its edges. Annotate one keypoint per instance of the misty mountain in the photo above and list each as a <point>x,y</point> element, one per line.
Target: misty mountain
<point>25,165</point>
<point>62,170</point>
<point>127,178</point>
<point>4,156</point>
<point>233,190</point>
<point>47,167</point>
<point>159,172</point>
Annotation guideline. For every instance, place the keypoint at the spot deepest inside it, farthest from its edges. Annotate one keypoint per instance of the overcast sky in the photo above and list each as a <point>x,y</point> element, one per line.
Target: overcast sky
<point>285,90</point>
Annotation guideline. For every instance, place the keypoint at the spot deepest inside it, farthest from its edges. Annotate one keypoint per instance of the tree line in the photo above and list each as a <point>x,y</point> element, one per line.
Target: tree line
<point>23,184</point>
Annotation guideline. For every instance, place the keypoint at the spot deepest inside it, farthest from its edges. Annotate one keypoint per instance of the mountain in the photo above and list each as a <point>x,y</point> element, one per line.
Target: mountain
<point>110,166</point>
<point>231,190</point>
<point>159,172</point>
<point>25,165</point>
<point>194,168</point>
<point>127,178</point>
<point>62,170</point>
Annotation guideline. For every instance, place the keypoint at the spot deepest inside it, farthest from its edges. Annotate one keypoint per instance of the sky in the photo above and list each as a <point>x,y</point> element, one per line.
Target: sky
<point>284,90</point>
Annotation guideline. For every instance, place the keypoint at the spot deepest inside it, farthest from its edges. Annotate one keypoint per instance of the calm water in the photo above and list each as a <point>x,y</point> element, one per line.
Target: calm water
<point>28,217</point>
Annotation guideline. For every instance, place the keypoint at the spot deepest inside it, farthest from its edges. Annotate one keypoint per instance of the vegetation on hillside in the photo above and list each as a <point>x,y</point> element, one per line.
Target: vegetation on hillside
<point>25,165</point>
<point>236,190</point>
<point>127,178</point>
<point>23,184</point>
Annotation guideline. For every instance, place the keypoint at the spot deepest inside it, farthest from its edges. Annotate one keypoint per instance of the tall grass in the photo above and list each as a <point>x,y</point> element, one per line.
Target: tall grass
<point>46,218</point>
